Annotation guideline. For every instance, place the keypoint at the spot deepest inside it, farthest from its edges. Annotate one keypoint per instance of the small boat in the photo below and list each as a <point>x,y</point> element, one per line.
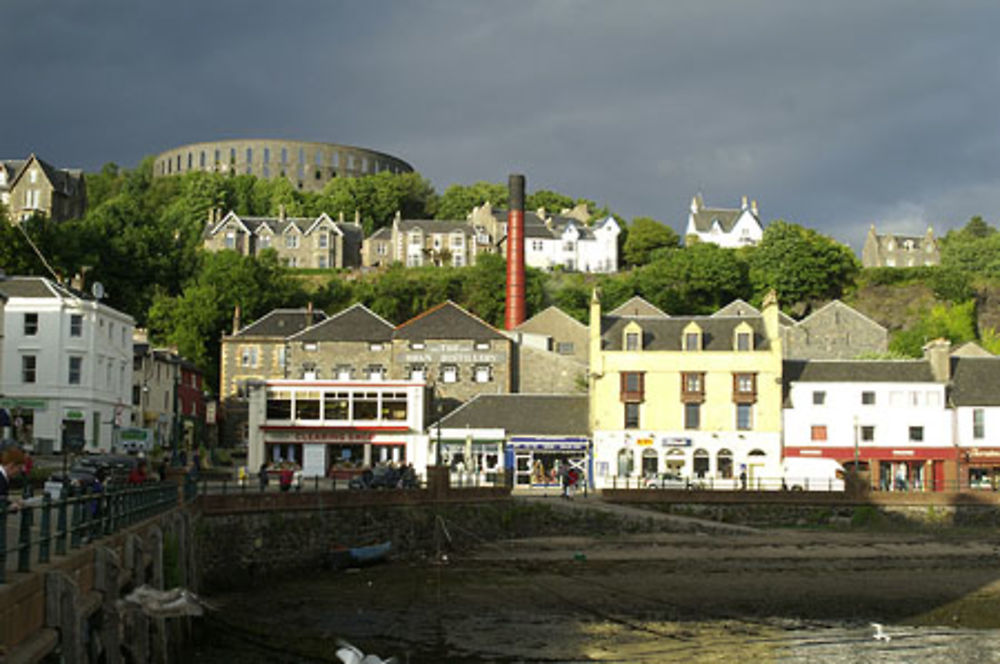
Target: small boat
<point>363,555</point>
<point>339,557</point>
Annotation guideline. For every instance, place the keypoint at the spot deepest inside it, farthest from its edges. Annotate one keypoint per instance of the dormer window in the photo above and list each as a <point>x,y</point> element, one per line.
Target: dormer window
<point>743,337</point>
<point>632,337</point>
<point>631,341</point>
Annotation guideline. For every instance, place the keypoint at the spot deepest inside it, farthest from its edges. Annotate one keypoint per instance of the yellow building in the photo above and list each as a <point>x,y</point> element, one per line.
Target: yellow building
<point>698,397</point>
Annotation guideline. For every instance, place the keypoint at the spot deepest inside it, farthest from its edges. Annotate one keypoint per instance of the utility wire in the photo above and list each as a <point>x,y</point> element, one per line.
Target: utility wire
<point>37,251</point>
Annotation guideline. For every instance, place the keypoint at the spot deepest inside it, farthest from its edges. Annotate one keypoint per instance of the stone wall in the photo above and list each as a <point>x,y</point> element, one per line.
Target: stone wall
<point>545,372</point>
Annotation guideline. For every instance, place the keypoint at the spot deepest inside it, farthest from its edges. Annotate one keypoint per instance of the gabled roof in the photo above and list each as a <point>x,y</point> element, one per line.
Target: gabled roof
<point>434,226</point>
<point>705,218</point>
<point>975,381</point>
<point>384,233</point>
<point>837,304</point>
<point>280,323</point>
<point>356,323</point>
<point>280,226</point>
<point>637,307</point>
<point>665,334</point>
<point>737,307</point>
<point>971,349</point>
<point>447,321</point>
<point>523,414</point>
<point>857,371</point>
<point>63,180</point>
<point>539,320</point>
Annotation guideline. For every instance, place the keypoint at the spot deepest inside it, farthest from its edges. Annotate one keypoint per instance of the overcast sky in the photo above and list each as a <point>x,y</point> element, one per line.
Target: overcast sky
<point>834,115</point>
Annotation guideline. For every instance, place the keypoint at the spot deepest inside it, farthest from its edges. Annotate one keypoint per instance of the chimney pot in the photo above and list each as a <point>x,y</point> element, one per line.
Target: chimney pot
<point>281,212</point>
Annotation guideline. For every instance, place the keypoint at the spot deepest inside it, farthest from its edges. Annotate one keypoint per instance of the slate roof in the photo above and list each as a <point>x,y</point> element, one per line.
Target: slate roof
<point>975,381</point>
<point>539,319</point>
<point>857,371</point>
<point>356,323</point>
<point>279,226</point>
<point>384,233</point>
<point>447,321</point>
<point>280,323</point>
<point>524,414</point>
<point>666,333</point>
<point>535,227</point>
<point>66,181</point>
<point>36,287</point>
<point>637,307</point>
<point>435,226</point>
<point>705,217</point>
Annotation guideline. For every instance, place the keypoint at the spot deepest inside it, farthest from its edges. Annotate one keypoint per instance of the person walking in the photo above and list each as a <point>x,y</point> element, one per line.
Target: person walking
<point>11,464</point>
<point>262,476</point>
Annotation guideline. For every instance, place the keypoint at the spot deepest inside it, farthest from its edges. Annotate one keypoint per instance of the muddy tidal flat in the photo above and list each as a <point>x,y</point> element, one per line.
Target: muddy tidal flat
<point>786,596</point>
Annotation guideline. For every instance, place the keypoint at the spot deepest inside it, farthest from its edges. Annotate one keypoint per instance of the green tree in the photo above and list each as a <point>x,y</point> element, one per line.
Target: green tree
<point>956,323</point>
<point>696,280</point>
<point>801,265</point>
<point>195,320</point>
<point>646,235</point>
<point>458,200</point>
<point>553,202</point>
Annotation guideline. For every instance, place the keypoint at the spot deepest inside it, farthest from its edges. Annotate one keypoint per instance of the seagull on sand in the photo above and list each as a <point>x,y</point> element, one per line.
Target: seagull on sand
<point>880,634</point>
<point>349,654</point>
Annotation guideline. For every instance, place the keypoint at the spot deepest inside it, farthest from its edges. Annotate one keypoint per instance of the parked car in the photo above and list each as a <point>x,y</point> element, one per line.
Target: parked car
<point>77,477</point>
<point>667,481</point>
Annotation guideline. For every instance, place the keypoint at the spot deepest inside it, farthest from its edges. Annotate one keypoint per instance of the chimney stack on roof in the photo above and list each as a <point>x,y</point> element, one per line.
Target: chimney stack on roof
<point>743,203</point>
<point>236,318</point>
<point>515,312</point>
<point>281,212</point>
<point>753,208</point>
<point>309,314</point>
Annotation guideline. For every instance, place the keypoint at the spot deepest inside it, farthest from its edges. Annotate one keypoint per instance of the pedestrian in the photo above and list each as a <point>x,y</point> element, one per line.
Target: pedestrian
<point>262,476</point>
<point>564,480</point>
<point>11,464</point>
<point>138,474</point>
<point>285,477</point>
<point>743,479</point>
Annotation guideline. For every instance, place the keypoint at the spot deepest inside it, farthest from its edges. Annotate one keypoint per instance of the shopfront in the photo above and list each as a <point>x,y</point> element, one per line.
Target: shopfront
<point>893,469</point>
<point>982,468</point>
<point>538,461</point>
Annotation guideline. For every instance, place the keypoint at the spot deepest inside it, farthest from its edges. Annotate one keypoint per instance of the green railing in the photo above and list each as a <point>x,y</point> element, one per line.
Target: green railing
<point>46,526</point>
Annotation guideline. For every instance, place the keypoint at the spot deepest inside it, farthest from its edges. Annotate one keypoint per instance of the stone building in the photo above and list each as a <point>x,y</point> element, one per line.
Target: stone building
<point>299,241</point>
<point>33,186</point>
<point>457,353</point>
<point>835,331</point>
<point>253,353</point>
<point>354,344</point>
<point>891,250</point>
<point>308,165</point>
<point>552,351</point>
<point>723,226</point>
<point>415,242</point>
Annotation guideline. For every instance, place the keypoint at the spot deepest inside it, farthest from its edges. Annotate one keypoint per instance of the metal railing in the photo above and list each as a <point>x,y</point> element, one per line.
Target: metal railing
<point>75,520</point>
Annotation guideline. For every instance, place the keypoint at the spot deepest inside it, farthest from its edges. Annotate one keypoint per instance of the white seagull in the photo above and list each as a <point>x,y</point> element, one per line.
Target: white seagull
<point>349,654</point>
<point>880,634</point>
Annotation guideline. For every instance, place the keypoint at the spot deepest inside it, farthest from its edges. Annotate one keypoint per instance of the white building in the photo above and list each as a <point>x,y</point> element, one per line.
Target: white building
<point>328,426</point>
<point>568,243</point>
<point>67,366</point>
<point>730,228</point>
<point>891,416</point>
<point>975,398</point>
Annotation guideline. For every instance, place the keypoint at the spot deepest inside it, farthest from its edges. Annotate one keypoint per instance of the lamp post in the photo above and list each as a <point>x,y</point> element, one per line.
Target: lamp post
<point>857,475</point>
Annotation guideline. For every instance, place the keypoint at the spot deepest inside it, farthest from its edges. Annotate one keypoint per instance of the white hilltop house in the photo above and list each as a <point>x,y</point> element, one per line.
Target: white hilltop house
<point>730,228</point>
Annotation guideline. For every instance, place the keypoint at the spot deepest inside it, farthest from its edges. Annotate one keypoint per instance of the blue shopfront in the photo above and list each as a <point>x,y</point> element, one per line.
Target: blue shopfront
<point>538,460</point>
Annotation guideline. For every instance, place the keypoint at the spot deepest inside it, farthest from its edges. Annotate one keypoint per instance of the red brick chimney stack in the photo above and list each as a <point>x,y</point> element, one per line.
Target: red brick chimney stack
<point>515,254</point>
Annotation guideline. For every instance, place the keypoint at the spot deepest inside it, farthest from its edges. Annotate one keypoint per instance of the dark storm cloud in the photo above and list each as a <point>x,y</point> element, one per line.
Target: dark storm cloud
<point>834,115</point>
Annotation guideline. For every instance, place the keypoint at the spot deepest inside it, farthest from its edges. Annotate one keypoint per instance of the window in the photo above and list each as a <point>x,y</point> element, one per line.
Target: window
<point>323,239</point>
<point>744,387</point>
<point>75,369</point>
<point>700,465</point>
<point>868,398</point>
<point>692,416</point>
<point>482,345</point>
<point>743,341</point>
<point>916,434</point>
<point>724,464</point>
<point>744,416</point>
<point>321,262</point>
<point>374,346</point>
<point>343,371</point>
<point>564,347</point>
<point>291,241</point>
<point>631,415</point>
<point>631,341</point>
<point>230,240</point>
<point>418,372</point>
<point>336,406</point>
<point>867,433</point>
<point>279,405</point>
<point>536,245</point>
<point>307,406</point>
<point>693,387</point>
<point>366,406</point>
<point>30,324</point>
<point>817,432</point>
<point>376,372</point>
<point>417,345</point>
<point>691,341</point>
<point>28,366</point>
<point>75,325</point>
<point>632,387</point>
<point>394,406</point>
<point>978,423</point>
<point>819,398</point>
<point>483,373</point>
<point>449,373</point>
<point>248,356</point>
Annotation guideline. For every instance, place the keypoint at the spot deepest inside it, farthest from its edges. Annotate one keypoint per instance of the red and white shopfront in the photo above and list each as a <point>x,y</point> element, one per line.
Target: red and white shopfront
<point>906,468</point>
<point>337,428</point>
